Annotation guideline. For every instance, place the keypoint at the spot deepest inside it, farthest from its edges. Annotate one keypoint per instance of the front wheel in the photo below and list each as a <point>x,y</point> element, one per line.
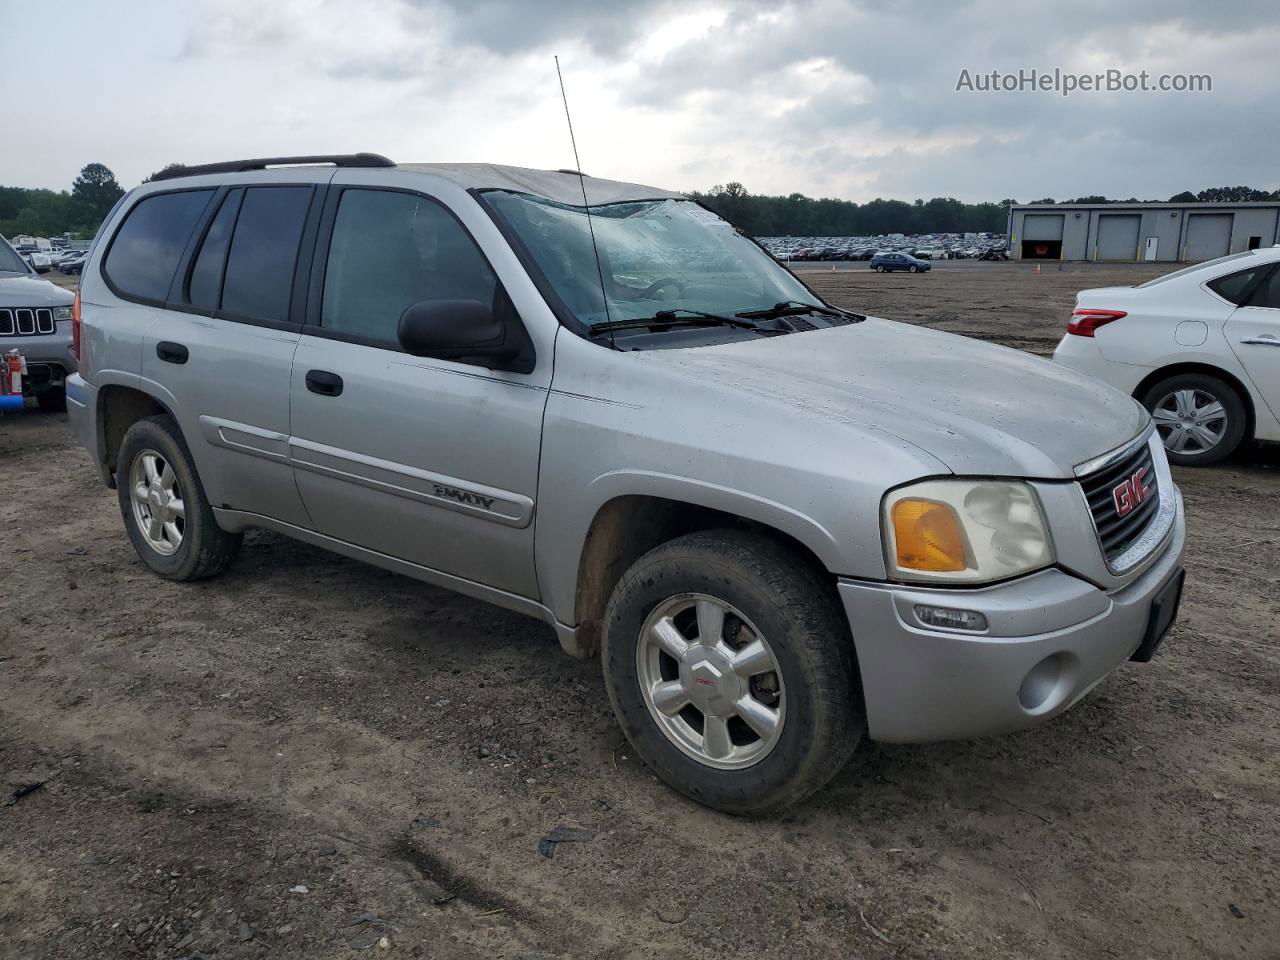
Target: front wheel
<point>914,268</point>
<point>731,671</point>
<point>1200,418</point>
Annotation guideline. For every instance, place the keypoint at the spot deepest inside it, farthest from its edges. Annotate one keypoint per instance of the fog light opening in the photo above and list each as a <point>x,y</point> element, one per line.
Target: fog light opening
<point>949,618</point>
<point>1047,683</point>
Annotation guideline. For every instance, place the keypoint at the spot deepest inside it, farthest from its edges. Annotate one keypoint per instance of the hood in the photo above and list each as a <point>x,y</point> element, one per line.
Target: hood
<point>32,292</point>
<point>981,409</point>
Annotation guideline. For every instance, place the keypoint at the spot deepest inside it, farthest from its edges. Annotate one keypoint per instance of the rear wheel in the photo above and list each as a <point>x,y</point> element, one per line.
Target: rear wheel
<point>732,672</point>
<point>165,510</point>
<point>1200,418</point>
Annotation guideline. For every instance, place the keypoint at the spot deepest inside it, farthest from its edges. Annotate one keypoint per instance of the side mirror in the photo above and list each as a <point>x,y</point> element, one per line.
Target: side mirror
<point>454,330</point>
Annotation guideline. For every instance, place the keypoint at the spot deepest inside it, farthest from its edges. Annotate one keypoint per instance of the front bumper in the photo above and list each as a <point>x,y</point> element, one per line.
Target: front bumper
<point>1051,638</point>
<point>49,357</point>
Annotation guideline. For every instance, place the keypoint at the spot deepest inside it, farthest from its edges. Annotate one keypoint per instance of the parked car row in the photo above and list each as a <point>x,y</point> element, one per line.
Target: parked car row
<point>43,255</point>
<point>946,246</point>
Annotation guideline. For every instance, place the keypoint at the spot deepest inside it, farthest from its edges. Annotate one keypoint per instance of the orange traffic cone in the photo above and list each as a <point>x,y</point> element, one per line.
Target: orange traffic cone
<point>1037,269</point>
<point>833,268</point>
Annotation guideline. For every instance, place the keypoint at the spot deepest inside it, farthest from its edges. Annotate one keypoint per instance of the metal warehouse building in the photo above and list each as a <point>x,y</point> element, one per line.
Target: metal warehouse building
<point>1140,231</point>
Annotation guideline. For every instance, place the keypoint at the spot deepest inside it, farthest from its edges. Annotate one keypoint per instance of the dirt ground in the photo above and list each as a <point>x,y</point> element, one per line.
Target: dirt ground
<point>309,755</point>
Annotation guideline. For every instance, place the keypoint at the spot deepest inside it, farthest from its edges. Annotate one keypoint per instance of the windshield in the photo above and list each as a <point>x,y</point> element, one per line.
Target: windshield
<point>10,262</point>
<point>655,255</point>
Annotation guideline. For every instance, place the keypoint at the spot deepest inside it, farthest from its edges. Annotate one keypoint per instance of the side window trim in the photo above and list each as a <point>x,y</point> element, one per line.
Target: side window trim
<point>324,239</point>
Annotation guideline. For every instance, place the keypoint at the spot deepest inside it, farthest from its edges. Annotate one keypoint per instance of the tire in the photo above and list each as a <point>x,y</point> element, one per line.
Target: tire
<point>759,586</point>
<point>53,400</point>
<point>196,547</point>
<point>1196,394</point>
<point>914,269</point>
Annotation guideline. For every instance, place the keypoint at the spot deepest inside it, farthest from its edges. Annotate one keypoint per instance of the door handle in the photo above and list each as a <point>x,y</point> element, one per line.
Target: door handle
<point>1266,340</point>
<point>171,352</point>
<point>324,383</point>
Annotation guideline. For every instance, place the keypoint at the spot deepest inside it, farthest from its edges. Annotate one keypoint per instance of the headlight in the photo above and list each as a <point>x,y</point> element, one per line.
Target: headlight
<point>61,313</point>
<point>964,531</point>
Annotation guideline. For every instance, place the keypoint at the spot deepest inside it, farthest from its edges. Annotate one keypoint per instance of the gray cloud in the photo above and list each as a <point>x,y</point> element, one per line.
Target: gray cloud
<point>846,98</point>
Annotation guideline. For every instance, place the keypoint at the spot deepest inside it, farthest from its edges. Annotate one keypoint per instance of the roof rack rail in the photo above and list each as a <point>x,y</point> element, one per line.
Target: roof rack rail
<point>239,166</point>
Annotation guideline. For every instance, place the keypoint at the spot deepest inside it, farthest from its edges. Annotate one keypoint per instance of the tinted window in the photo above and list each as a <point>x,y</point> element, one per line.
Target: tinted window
<point>1268,292</point>
<point>259,274</point>
<point>146,249</point>
<point>206,275</point>
<point>1236,286</point>
<point>390,250</point>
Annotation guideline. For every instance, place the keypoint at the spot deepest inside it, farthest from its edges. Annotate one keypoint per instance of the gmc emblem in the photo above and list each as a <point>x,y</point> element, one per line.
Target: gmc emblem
<point>1128,494</point>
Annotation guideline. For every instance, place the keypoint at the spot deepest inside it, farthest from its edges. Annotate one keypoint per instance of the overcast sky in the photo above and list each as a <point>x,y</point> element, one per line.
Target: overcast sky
<point>826,97</point>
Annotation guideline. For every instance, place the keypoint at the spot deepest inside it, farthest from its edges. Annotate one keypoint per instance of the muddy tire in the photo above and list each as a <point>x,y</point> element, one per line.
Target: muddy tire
<point>164,507</point>
<point>731,671</point>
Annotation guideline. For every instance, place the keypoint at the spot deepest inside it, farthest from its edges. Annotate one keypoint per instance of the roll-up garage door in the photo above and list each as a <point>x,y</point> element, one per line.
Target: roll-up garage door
<point>1208,236</point>
<point>1118,237</point>
<point>1042,226</point>
<point>1041,236</point>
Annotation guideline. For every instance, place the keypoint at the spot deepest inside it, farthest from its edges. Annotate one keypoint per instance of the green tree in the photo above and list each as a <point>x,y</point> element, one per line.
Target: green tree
<point>94,193</point>
<point>1186,196</point>
<point>1232,195</point>
<point>165,169</point>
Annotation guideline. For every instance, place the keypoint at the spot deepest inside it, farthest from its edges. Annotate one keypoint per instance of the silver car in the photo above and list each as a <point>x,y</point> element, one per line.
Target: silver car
<point>35,320</point>
<point>780,524</point>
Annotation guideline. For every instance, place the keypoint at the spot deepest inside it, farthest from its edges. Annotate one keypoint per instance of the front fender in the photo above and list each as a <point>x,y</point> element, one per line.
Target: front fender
<point>559,555</point>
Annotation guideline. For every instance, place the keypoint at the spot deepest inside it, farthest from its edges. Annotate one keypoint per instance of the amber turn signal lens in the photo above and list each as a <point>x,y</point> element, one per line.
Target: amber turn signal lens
<point>928,536</point>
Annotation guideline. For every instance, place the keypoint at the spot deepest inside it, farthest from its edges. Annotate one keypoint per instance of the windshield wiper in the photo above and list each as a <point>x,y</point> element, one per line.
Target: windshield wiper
<point>792,308</point>
<point>679,316</point>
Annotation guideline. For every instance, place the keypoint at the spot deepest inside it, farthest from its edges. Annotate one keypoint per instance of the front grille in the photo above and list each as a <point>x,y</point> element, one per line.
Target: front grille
<point>1104,491</point>
<point>26,322</point>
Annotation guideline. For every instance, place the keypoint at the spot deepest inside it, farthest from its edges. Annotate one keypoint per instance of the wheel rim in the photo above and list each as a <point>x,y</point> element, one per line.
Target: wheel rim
<point>158,507</point>
<point>1191,422</point>
<point>711,681</point>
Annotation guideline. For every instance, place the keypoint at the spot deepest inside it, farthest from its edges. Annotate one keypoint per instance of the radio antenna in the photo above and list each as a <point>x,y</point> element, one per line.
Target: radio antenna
<point>582,184</point>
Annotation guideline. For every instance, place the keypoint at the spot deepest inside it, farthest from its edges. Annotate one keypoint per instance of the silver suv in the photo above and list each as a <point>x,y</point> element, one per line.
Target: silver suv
<point>781,524</point>
<point>35,320</point>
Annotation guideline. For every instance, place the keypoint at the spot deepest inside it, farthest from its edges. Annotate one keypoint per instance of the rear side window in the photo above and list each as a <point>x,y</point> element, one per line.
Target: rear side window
<point>264,250</point>
<point>205,288</point>
<point>1236,287</point>
<point>147,247</point>
<point>389,251</point>
<point>1268,292</point>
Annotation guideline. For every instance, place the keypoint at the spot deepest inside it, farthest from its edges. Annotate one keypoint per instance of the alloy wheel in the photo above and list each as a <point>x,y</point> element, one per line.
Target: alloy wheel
<point>711,681</point>
<point>158,507</point>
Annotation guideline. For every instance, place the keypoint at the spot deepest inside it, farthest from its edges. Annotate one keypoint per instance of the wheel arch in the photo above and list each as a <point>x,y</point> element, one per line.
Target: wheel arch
<point>627,526</point>
<point>119,408</point>
<point>1209,370</point>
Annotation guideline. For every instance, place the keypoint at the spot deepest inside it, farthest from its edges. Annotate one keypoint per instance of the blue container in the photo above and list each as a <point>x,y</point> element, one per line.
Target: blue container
<point>10,402</point>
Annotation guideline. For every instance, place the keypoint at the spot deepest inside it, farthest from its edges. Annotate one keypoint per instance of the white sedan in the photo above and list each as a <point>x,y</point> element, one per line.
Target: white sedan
<point>1200,348</point>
